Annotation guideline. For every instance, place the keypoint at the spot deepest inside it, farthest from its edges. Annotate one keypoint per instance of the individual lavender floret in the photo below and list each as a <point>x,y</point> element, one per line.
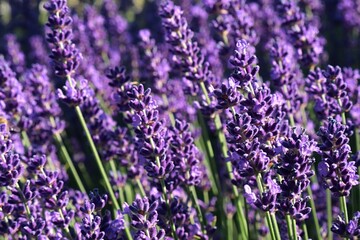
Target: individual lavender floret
<point>13,53</point>
<point>65,55</point>
<point>227,96</point>
<point>302,35</point>
<point>337,172</point>
<point>294,167</point>
<point>144,219</point>
<point>349,230</point>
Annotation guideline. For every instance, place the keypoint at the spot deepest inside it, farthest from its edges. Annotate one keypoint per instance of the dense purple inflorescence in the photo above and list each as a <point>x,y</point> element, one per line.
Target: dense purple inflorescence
<point>180,120</point>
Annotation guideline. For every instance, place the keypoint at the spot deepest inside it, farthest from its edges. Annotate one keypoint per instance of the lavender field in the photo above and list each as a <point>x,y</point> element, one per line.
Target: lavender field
<point>179,120</point>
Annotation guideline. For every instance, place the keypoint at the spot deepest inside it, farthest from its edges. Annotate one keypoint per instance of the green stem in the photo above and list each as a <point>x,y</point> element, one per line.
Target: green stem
<point>275,226</point>
<point>329,214</point>
<point>141,188</point>
<point>295,234</point>
<point>28,213</point>
<point>195,201</point>
<point>289,226</point>
<point>99,164</point>
<point>121,191</point>
<point>211,157</point>
<point>313,213</point>
<point>59,142</point>
<point>222,140</point>
<point>25,139</point>
<point>343,208</point>
<point>229,234</point>
<point>199,143</point>
<point>304,228</point>
<point>96,156</point>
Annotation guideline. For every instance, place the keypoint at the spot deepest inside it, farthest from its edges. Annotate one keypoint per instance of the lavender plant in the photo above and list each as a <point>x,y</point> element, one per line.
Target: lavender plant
<point>204,120</point>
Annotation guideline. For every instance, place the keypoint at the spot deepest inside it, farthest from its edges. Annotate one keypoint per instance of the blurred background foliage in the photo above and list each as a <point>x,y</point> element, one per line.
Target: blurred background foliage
<point>25,18</point>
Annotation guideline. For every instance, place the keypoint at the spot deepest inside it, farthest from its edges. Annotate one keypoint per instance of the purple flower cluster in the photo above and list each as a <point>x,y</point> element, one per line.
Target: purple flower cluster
<point>204,120</point>
<point>337,172</point>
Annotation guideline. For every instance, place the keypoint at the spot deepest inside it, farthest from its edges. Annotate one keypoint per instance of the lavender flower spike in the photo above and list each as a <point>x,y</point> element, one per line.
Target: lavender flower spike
<point>337,172</point>
<point>65,55</point>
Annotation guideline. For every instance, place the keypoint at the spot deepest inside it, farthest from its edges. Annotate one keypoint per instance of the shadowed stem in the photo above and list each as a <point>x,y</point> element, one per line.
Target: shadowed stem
<point>195,201</point>
<point>61,147</point>
<point>329,213</point>
<point>99,163</point>
<point>313,213</point>
<point>224,150</point>
<point>344,208</point>
<point>305,231</point>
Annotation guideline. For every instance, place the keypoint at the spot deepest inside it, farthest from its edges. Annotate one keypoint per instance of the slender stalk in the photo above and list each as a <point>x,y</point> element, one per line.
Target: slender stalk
<point>141,188</point>
<point>313,213</point>
<point>97,157</point>
<point>329,214</point>
<point>305,231</point>
<point>211,157</point>
<point>343,208</point>
<point>28,213</point>
<point>295,235</point>
<point>229,224</point>
<point>194,198</point>
<point>289,226</point>
<point>199,143</point>
<point>99,164</point>
<point>121,191</point>
<point>25,139</point>
<point>275,226</point>
<point>59,142</point>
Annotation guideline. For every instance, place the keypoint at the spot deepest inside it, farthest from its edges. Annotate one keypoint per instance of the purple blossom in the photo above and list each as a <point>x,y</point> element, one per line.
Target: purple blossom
<point>337,172</point>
